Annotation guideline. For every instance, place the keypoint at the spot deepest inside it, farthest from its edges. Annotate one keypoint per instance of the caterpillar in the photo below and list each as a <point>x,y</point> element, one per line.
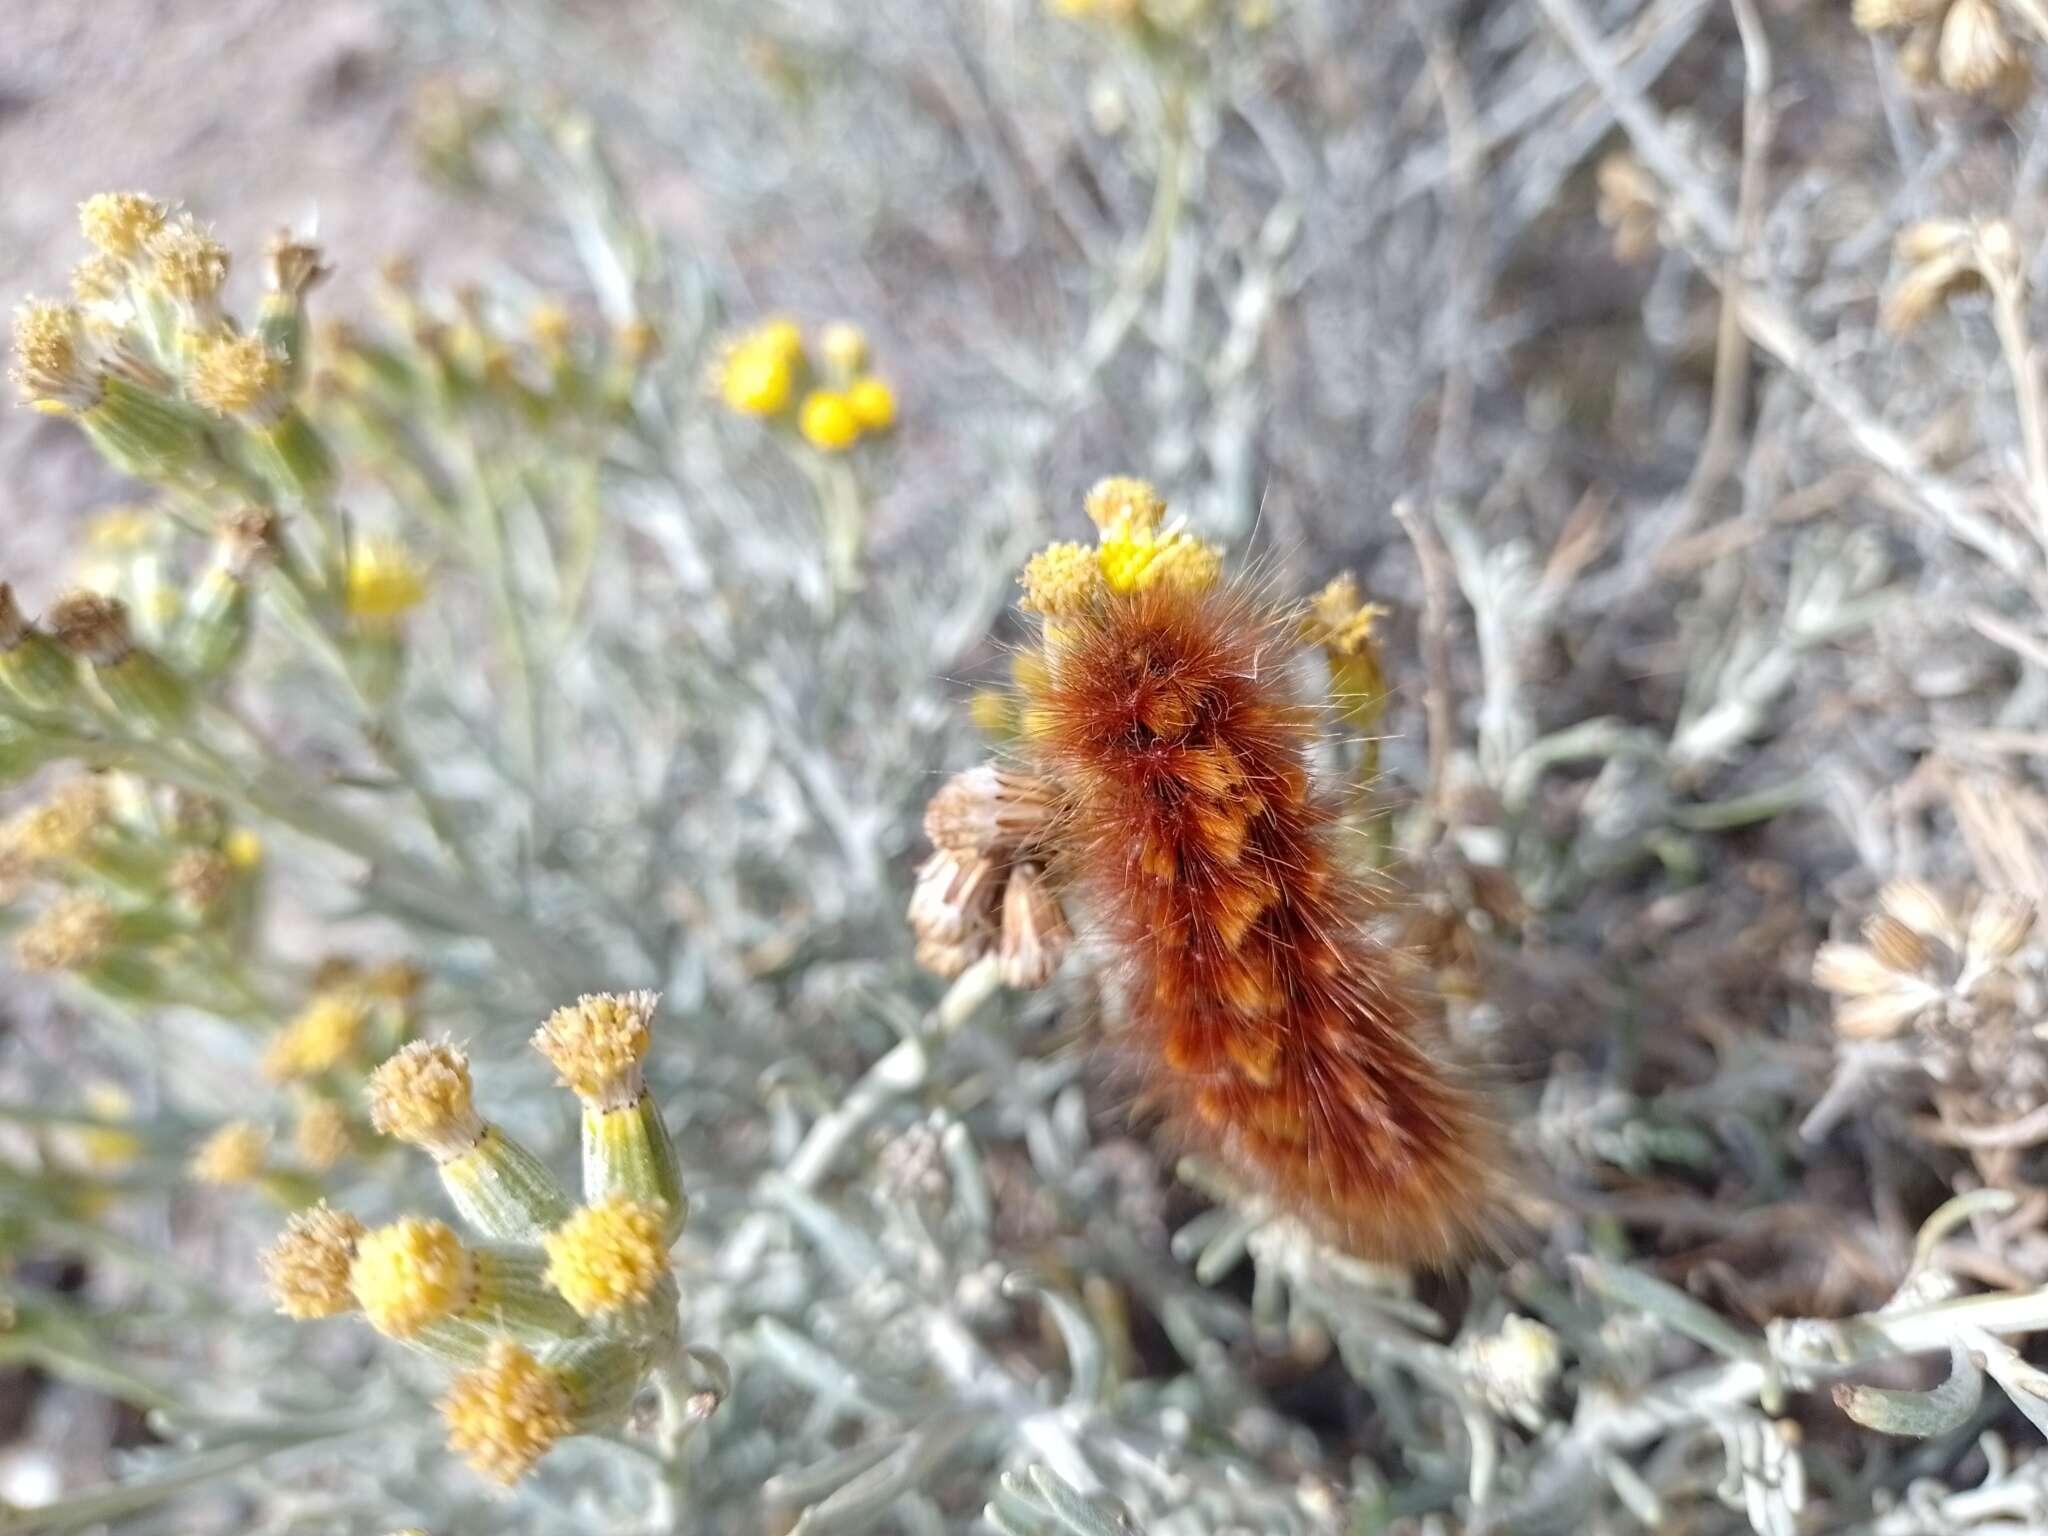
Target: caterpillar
<point>1163,789</point>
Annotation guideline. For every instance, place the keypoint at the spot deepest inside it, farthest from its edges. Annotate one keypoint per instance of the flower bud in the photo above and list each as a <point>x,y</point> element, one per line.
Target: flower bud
<point>415,1274</point>
<point>513,1409</point>
<point>422,1095</point>
<point>597,1046</point>
<point>308,1266</point>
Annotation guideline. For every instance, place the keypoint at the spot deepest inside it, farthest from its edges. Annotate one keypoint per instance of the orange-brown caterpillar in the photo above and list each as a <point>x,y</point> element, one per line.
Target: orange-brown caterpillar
<point>1273,1028</point>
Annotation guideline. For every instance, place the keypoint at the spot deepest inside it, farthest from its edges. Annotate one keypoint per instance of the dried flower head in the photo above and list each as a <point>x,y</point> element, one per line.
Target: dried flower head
<point>1515,1368</point>
<point>608,1255</point>
<point>292,267</point>
<point>92,625</point>
<point>1035,936</point>
<point>245,538</point>
<point>240,376</point>
<point>74,934</point>
<point>121,224</point>
<point>954,899</point>
<point>989,810</point>
<point>307,1268</point>
<point>1626,204</point>
<point>234,1154</point>
<point>596,1045</point>
<point>1921,961</point>
<point>411,1273</point>
<point>423,1096</point>
<point>508,1413</point>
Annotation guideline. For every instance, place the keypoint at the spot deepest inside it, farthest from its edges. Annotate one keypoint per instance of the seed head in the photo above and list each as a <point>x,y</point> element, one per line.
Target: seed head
<point>320,1038</point>
<point>74,934</point>
<point>508,1413</point>
<point>423,1096</point>
<point>1062,580</point>
<point>1976,49</point>
<point>92,625</point>
<point>411,1273</point>
<point>1515,1368</point>
<point>240,376</point>
<point>233,1154</point>
<point>596,1045</point>
<point>120,224</point>
<point>954,898</point>
<point>245,538</point>
<point>607,1256</point>
<point>827,421</point>
<point>307,1267</point>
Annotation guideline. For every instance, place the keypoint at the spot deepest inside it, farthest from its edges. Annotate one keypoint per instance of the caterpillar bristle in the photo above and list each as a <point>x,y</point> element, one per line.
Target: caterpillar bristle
<point>1162,719</point>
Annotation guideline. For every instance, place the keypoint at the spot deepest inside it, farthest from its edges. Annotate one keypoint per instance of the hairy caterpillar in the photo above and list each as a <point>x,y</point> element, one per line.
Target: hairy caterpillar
<point>1167,759</point>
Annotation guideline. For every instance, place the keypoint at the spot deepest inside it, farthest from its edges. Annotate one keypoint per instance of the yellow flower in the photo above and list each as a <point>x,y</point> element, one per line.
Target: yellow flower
<point>384,581</point>
<point>189,264</point>
<point>1061,580</point>
<point>411,1273</point>
<point>597,1044</point>
<point>508,1413</point>
<point>308,1267</point>
<point>120,224</point>
<point>827,421</point>
<point>607,1256</point>
<point>782,337</point>
<point>873,403</point>
<point>102,1146</point>
<point>76,933</point>
<point>1135,556</point>
<point>244,848</point>
<point>757,379</point>
<point>423,1096</point>
<point>240,376</point>
<point>320,1135</point>
<point>318,1039</point>
<point>1123,499</point>
<point>54,360</point>
<point>233,1154</point>
<point>121,528</point>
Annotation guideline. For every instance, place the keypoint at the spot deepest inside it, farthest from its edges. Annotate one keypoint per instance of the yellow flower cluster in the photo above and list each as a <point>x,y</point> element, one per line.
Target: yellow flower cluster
<point>1135,548</point>
<point>838,402</point>
<point>553,1321</point>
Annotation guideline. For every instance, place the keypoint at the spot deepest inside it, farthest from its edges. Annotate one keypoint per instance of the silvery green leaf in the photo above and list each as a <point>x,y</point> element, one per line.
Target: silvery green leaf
<point>1920,1415</point>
